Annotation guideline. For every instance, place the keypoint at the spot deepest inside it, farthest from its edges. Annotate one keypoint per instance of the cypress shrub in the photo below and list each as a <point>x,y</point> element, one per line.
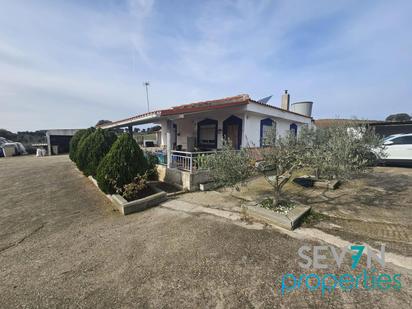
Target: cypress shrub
<point>121,165</point>
<point>152,160</point>
<point>75,142</point>
<point>92,149</point>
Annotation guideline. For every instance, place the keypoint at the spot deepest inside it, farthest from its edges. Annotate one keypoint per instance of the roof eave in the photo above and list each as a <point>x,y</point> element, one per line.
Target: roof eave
<point>148,118</point>
<point>281,109</point>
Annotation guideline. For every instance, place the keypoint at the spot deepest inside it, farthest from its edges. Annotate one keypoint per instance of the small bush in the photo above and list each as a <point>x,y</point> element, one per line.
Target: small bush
<point>121,165</point>
<point>152,173</point>
<point>92,149</point>
<point>136,189</point>
<point>75,142</point>
<point>229,167</point>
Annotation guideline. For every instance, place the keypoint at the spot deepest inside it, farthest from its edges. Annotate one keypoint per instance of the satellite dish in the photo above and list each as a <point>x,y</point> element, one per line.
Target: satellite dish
<point>265,100</point>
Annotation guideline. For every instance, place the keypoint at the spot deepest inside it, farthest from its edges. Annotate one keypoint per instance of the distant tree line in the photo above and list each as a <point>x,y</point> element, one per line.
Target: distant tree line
<point>27,138</point>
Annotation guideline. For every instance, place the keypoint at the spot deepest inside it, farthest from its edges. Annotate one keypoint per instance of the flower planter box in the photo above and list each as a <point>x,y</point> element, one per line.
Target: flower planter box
<point>125,207</point>
<point>311,181</point>
<point>289,221</point>
<point>141,204</point>
<point>327,184</point>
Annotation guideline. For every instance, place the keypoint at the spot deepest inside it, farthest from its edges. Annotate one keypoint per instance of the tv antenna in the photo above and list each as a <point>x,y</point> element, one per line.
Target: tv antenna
<point>147,84</point>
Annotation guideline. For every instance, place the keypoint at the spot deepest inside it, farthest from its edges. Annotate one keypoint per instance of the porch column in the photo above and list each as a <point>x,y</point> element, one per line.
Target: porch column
<point>169,143</point>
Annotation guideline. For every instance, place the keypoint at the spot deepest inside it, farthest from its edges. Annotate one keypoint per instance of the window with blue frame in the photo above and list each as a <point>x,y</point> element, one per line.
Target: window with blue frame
<point>266,125</point>
<point>293,129</point>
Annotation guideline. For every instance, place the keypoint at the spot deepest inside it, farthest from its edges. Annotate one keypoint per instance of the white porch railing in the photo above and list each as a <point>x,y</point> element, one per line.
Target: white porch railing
<point>189,161</point>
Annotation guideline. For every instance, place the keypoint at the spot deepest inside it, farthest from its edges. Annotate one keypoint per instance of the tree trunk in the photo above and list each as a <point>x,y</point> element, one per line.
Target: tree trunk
<point>277,196</point>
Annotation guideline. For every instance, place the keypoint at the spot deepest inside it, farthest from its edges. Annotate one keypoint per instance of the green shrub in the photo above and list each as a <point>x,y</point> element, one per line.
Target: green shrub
<point>92,149</point>
<point>340,152</point>
<point>135,189</point>
<point>121,165</point>
<point>75,142</point>
<point>229,167</point>
<point>152,173</point>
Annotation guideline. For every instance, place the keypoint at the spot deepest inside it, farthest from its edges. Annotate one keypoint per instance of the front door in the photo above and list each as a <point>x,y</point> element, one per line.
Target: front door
<point>232,134</point>
<point>232,130</point>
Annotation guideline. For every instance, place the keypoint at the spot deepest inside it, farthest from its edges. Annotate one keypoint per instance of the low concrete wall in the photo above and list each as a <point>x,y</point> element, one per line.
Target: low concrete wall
<point>185,179</point>
<point>198,178</point>
<point>290,221</point>
<point>126,207</point>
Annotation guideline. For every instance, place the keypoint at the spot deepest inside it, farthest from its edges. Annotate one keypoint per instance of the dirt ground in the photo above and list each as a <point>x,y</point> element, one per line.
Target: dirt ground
<point>374,208</point>
<point>63,245</point>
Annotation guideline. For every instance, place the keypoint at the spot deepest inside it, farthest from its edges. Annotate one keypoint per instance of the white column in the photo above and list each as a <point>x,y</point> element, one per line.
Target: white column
<point>163,137</point>
<point>169,143</point>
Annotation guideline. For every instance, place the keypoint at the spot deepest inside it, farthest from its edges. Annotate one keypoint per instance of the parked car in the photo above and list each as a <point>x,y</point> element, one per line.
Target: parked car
<point>397,149</point>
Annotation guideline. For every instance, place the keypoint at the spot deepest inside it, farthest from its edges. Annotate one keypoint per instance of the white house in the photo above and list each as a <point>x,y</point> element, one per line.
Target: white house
<point>195,129</point>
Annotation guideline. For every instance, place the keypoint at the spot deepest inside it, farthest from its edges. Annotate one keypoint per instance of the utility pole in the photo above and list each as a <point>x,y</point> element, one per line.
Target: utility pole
<point>147,84</point>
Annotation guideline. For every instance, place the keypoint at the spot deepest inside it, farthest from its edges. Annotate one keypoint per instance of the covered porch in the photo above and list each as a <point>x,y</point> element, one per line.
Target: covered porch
<point>189,133</point>
<point>187,138</point>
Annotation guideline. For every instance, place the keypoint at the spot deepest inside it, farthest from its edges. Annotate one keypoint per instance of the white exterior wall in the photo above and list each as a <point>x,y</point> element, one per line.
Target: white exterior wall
<point>185,128</point>
<point>251,133</point>
<point>257,112</point>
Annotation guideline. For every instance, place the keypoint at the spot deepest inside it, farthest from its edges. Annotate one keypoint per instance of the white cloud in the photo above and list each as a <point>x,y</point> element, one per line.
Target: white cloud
<point>85,61</point>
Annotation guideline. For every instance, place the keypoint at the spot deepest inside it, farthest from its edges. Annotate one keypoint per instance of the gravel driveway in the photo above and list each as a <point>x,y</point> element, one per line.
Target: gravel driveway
<point>63,245</point>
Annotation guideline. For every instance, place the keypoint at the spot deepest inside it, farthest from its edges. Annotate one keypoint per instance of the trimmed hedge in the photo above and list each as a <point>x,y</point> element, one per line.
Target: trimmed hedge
<point>76,140</point>
<point>121,165</point>
<point>92,149</point>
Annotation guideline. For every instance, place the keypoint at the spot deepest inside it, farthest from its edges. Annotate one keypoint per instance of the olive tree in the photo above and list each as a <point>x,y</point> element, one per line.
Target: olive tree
<point>229,167</point>
<point>280,158</point>
<point>276,162</point>
<point>339,152</point>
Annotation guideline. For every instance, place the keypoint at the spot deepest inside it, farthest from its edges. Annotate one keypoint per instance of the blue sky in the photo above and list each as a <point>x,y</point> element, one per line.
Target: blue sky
<point>67,64</point>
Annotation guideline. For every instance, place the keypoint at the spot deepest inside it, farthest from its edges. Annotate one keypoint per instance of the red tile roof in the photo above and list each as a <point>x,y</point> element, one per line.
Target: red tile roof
<point>189,108</point>
<point>206,105</point>
<point>241,99</point>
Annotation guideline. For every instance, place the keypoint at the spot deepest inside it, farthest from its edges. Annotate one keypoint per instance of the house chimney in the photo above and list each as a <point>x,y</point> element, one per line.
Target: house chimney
<point>285,100</point>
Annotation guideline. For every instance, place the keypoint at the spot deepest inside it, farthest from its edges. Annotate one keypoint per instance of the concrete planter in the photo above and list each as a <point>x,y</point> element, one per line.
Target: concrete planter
<point>126,207</point>
<point>327,184</point>
<point>311,181</point>
<point>289,221</point>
